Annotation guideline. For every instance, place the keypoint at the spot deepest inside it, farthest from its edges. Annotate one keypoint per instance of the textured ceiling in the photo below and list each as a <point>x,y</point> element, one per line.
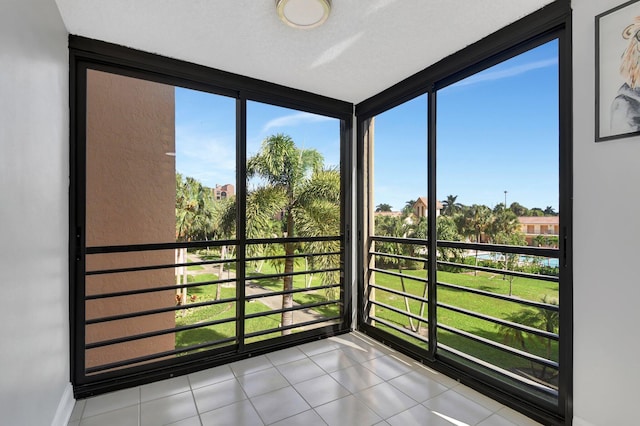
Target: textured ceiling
<point>364,47</point>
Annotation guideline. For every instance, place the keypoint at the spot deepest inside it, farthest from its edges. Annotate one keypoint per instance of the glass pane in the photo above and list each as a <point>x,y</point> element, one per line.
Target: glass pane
<point>498,151</point>
<point>399,169</point>
<point>498,181</point>
<point>293,190</point>
<point>293,173</point>
<point>205,166</point>
<point>397,207</point>
<point>160,168</point>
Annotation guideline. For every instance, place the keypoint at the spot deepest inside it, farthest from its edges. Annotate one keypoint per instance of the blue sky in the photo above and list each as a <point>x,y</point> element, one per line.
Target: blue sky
<point>205,134</point>
<point>497,130</point>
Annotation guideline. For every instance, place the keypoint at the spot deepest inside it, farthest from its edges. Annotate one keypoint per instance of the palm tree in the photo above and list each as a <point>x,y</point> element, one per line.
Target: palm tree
<point>407,210</point>
<point>447,230</point>
<point>384,207</point>
<point>191,219</point>
<point>190,206</point>
<point>450,207</point>
<point>479,220</point>
<point>519,209</point>
<point>297,186</point>
<point>514,336</point>
<point>318,214</point>
<point>549,211</point>
<point>389,226</point>
<point>541,318</point>
<point>476,224</point>
<point>503,222</point>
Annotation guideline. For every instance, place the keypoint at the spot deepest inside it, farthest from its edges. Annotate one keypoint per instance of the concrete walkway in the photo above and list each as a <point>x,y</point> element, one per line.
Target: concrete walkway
<point>253,288</point>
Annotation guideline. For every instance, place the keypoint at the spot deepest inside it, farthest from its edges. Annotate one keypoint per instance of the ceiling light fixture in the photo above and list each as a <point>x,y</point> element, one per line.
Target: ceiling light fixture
<point>303,13</point>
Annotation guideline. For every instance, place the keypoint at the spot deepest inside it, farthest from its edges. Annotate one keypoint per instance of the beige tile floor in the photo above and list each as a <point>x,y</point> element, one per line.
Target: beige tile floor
<point>343,380</point>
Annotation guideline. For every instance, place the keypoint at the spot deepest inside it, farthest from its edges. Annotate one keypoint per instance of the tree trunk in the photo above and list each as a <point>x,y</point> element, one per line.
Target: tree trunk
<point>287,299</point>
<point>406,300</point>
<point>223,249</point>
<point>475,271</point>
<point>424,296</point>
<point>404,290</point>
<point>185,274</point>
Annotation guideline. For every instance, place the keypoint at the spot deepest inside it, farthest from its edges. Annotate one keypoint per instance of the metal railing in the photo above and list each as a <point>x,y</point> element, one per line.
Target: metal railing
<point>119,323</point>
<point>526,328</point>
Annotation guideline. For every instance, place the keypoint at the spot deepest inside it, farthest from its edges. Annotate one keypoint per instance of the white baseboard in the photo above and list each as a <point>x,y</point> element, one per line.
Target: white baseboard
<point>577,421</point>
<point>65,407</point>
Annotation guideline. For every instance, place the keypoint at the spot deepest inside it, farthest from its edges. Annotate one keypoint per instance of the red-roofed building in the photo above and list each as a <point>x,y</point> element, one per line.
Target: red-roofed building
<point>420,207</point>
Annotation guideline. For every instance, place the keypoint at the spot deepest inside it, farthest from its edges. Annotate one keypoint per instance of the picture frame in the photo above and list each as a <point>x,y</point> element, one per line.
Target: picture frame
<point>618,72</point>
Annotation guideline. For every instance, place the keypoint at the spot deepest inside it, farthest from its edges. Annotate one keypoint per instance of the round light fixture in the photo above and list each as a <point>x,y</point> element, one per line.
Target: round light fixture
<point>303,13</point>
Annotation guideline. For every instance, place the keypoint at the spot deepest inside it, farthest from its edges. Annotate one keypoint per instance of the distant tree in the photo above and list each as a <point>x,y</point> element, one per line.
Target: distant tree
<point>552,241</point>
<point>502,222</point>
<point>519,209</point>
<point>477,221</point>
<point>383,207</point>
<point>450,207</point>
<point>540,240</point>
<point>447,230</point>
<point>499,207</point>
<point>536,211</point>
<point>461,222</point>
<point>544,240</point>
<point>407,210</point>
<point>190,208</point>
<point>389,226</point>
<point>515,238</point>
<point>550,211</point>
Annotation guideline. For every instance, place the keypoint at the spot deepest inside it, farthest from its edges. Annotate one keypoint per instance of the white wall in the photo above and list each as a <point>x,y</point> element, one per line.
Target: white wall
<point>606,273</point>
<point>34,169</point>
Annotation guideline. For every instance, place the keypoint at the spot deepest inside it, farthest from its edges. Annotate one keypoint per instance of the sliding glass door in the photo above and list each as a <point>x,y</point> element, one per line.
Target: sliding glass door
<point>465,234</point>
<point>207,226</point>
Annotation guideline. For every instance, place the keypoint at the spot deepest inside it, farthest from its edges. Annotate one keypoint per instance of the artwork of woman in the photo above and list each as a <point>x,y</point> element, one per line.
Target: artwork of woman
<point>625,108</point>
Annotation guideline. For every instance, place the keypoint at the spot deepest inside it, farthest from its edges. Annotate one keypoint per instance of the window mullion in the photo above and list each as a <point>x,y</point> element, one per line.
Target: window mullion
<point>431,221</point>
<point>241,217</point>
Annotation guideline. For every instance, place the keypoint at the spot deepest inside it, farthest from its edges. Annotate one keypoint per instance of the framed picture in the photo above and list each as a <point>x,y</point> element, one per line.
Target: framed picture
<point>618,72</point>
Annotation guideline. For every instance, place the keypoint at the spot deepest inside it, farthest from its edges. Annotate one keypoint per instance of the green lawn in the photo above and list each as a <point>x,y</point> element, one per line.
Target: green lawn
<point>525,288</point>
<point>228,310</point>
<point>299,281</point>
<point>217,312</point>
<point>522,287</point>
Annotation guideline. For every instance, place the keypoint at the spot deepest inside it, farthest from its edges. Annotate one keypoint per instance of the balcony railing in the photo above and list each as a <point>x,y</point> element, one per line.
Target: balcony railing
<point>142,305</point>
<point>497,305</point>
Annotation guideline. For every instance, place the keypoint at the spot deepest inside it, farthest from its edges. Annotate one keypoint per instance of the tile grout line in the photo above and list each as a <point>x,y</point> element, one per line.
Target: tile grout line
<point>269,364</point>
<point>193,395</point>
<point>311,408</point>
<point>139,405</point>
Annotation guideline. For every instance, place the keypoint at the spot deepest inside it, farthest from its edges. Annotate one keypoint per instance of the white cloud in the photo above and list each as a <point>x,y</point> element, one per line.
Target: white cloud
<point>210,158</point>
<point>294,119</point>
<point>508,72</point>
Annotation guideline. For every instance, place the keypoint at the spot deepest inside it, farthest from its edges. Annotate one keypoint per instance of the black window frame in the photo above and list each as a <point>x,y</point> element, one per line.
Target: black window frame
<point>551,22</point>
<point>88,54</point>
